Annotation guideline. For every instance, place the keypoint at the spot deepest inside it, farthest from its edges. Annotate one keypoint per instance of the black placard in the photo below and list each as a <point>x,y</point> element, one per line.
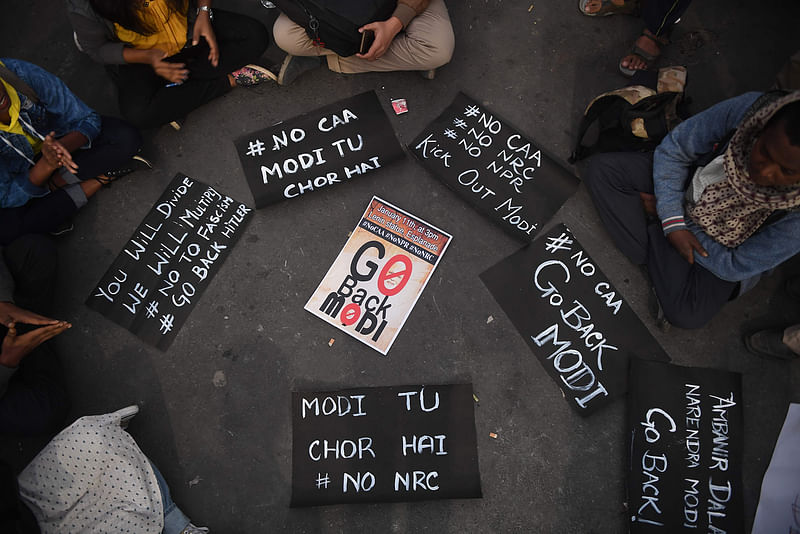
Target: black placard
<point>318,150</point>
<point>572,317</point>
<point>398,443</point>
<point>496,169</point>
<point>685,431</point>
<point>162,271</point>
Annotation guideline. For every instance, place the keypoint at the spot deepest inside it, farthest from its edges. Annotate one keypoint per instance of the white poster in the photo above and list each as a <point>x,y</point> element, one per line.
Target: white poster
<point>380,273</point>
<point>779,505</point>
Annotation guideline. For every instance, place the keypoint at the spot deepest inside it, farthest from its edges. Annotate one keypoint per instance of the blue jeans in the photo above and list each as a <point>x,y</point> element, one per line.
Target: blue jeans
<point>174,519</point>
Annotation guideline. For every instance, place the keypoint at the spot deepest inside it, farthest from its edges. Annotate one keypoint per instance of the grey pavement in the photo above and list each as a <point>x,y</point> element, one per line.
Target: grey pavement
<point>226,451</point>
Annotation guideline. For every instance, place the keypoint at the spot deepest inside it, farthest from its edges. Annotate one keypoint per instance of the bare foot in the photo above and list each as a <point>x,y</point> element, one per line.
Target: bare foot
<point>649,45</point>
<point>90,187</point>
<point>593,6</point>
<point>602,8</point>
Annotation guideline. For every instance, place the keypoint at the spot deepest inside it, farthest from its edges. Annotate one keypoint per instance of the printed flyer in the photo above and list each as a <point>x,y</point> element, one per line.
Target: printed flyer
<point>371,288</point>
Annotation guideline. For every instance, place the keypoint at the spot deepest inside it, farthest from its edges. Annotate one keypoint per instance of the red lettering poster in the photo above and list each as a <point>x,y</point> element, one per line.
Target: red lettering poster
<point>371,288</point>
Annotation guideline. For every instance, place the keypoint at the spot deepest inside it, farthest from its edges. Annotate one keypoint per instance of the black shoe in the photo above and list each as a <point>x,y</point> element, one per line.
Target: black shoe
<point>769,343</point>
<point>294,66</point>
<point>136,163</point>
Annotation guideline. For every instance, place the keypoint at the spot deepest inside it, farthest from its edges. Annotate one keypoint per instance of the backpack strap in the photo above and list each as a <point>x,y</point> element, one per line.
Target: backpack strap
<point>17,83</point>
<point>599,105</point>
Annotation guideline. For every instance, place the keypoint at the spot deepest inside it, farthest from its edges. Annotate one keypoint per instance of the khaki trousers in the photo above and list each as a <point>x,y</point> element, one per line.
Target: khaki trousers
<point>427,43</point>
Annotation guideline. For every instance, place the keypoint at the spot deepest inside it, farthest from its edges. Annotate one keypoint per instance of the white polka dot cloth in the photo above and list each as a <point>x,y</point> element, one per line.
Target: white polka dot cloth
<point>93,478</point>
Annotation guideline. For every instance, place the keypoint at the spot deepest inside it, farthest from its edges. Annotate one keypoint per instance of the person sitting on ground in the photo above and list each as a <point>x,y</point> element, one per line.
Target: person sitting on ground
<point>93,477</point>
<point>417,37</point>
<point>55,151</point>
<point>33,397</point>
<point>725,185</point>
<point>145,47</point>
<point>660,17</point>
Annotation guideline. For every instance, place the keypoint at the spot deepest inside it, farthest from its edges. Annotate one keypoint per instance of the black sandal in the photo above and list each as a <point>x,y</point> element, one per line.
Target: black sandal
<point>649,59</point>
<point>136,162</point>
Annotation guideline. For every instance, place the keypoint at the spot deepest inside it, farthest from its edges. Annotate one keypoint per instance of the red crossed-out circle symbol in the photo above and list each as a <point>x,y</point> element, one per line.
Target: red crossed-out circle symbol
<point>385,276</point>
<point>350,314</point>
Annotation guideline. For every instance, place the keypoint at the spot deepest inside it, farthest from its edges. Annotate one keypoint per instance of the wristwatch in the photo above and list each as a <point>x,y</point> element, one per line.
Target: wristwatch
<point>207,9</point>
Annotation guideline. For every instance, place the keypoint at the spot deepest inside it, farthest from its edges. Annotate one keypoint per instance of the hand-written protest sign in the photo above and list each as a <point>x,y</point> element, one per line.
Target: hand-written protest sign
<point>317,150</point>
<point>496,169</point>
<point>381,271</point>
<point>685,431</point>
<point>779,503</point>
<point>571,316</point>
<point>162,271</point>
<point>384,444</point>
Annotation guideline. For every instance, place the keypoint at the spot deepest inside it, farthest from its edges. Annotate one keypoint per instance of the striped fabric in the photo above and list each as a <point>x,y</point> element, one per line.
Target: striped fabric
<point>670,224</point>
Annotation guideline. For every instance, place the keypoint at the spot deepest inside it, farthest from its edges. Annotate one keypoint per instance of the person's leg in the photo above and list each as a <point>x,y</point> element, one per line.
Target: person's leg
<point>174,519</point>
<point>41,215</point>
<point>147,102</point>
<point>117,143</point>
<point>36,399</point>
<point>615,181</point>
<point>689,294</point>
<point>293,39</point>
<point>660,16</point>
<point>427,43</point>
<point>32,261</point>
<point>241,40</point>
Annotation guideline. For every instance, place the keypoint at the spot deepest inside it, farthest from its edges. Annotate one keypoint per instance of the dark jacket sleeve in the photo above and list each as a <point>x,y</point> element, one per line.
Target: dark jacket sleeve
<point>94,34</point>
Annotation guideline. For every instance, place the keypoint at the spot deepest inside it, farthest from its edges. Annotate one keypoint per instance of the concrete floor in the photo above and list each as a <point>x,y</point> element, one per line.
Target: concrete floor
<point>226,451</point>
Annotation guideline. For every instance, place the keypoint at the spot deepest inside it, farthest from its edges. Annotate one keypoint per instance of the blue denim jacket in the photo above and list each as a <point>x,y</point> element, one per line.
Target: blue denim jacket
<point>58,110</point>
<point>673,160</point>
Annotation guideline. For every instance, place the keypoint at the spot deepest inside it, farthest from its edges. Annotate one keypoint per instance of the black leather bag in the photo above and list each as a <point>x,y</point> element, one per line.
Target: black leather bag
<point>334,24</point>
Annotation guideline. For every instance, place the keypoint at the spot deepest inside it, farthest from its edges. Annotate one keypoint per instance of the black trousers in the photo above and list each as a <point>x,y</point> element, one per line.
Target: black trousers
<point>35,400</point>
<point>113,148</point>
<point>660,15</point>
<point>147,102</point>
<point>690,295</point>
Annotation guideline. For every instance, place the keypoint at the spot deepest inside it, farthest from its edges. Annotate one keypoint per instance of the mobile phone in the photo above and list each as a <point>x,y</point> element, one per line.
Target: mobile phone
<point>367,38</point>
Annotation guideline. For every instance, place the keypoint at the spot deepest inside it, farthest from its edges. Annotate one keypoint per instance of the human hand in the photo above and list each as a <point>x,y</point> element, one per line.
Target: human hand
<point>648,203</point>
<point>14,346</point>
<point>10,312</point>
<point>17,347</point>
<point>172,72</point>
<point>385,32</point>
<point>685,242</point>
<point>203,28</point>
<point>56,155</point>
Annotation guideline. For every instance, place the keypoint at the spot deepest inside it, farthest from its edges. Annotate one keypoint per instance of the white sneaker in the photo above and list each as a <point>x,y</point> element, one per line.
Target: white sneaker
<point>192,529</point>
<point>126,414</point>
